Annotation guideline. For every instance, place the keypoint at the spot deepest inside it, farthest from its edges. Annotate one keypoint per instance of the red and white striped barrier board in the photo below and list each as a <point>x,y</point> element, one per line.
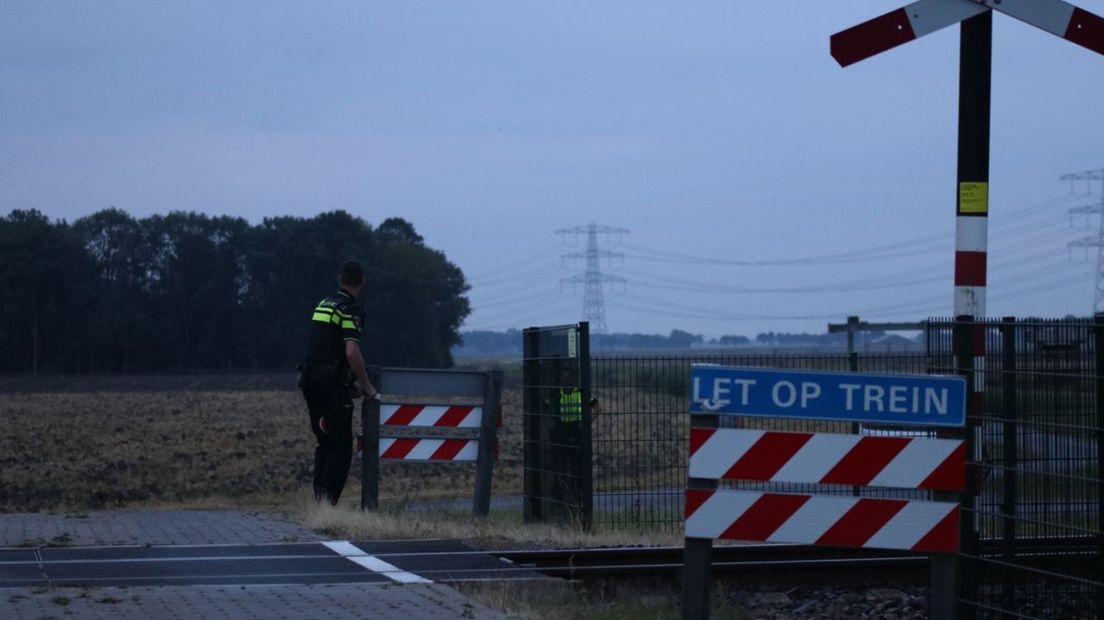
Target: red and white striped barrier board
<point>450,416</point>
<point>824,458</point>
<point>822,520</point>
<point>414,449</point>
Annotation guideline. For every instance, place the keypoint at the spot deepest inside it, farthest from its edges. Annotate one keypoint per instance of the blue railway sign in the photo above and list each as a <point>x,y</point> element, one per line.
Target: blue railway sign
<point>915,400</point>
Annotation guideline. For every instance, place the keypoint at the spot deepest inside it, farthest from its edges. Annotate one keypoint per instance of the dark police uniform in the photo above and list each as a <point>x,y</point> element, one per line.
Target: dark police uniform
<point>328,384</point>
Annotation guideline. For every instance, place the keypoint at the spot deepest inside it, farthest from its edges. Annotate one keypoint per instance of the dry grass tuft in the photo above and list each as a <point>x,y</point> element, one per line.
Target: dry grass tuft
<point>501,529</point>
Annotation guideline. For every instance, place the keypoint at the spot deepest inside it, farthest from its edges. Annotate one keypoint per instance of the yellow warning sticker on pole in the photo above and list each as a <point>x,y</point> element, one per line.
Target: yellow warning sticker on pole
<point>973,198</point>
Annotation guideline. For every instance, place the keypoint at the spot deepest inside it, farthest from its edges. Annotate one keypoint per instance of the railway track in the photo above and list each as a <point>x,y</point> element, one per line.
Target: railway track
<point>775,565</point>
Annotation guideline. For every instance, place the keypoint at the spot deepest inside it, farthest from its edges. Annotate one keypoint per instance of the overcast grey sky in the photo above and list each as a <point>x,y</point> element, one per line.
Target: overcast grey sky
<point>713,131</point>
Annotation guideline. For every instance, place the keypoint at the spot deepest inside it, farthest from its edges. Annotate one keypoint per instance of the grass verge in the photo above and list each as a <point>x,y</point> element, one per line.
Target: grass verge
<point>501,529</point>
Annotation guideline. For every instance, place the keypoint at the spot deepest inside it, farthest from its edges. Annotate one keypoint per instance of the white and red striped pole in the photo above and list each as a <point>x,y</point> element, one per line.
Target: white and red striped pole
<point>972,200</point>
<point>972,208</point>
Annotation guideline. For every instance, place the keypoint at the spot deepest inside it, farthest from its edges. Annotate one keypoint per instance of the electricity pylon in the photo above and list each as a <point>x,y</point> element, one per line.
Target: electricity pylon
<point>1095,241</point>
<point>594,307</point>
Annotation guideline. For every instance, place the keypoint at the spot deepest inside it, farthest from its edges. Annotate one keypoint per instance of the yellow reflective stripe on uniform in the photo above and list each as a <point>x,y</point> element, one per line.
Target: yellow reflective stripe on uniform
<point>325,315</point>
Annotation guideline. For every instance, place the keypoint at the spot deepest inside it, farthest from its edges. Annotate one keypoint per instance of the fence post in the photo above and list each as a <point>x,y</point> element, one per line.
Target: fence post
<point>370,431</point>
<point>1010,461</point>
<point>853,366</point>
<point>947,580</point>
<point>488,438</point>
<point>532,461</point>
<point>1009,415</point>
<point>697,555</point>
<point>586,452</point>
<point>1098,340</point>
<point>970,341</point>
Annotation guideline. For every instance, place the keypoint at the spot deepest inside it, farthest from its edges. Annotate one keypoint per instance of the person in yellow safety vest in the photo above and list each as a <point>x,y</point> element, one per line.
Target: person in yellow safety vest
<point>571,405</point>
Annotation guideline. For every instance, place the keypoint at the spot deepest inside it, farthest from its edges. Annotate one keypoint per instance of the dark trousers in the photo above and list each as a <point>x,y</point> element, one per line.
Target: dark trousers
<point>331,420</point>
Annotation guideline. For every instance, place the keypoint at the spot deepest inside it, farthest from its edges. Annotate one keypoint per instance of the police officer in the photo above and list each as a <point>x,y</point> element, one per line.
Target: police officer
<point>332,373</point>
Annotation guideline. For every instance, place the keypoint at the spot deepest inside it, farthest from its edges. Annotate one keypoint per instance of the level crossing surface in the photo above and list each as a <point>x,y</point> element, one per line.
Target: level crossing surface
<point>62,575</point>
<point>330,562</point>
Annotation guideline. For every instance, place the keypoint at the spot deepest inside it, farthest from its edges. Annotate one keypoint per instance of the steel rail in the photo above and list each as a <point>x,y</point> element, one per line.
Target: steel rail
<point>792,565</point>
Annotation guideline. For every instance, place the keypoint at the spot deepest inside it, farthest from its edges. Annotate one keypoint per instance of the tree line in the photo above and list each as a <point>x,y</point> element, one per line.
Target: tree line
<point>509,342</point>
<point>109,293</point>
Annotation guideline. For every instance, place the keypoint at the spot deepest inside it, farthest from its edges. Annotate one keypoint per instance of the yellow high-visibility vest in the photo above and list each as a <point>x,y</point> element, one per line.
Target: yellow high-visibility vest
<point>571,405</point>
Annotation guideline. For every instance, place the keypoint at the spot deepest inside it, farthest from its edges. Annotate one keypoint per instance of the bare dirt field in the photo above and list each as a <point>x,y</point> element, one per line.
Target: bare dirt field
<point>67,450</point>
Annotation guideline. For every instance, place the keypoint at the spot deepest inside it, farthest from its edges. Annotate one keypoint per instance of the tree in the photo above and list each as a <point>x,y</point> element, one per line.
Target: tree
<point>733,341</point>
<point>414,301</point>
<point>291,264</point>
<point>683,340</point>
<point>119,254</point>
<point>42,265</point>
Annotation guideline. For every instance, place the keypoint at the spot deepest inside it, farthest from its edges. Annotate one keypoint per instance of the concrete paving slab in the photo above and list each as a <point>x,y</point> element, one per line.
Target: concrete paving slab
<point>206,564</point>
<point>148,527</point>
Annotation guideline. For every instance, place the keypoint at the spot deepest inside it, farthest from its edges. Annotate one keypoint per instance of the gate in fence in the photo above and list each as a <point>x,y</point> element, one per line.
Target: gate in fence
<point>431,416</point>
<point>556,395</point>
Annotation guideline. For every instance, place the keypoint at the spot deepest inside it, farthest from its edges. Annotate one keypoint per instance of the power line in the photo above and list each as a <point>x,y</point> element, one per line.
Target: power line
<point>901,249</point>
<point>521,287</point>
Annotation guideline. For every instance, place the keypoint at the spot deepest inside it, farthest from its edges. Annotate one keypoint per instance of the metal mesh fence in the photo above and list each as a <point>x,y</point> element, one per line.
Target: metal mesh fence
<point>1038,512</point>
<point>1041,498</point>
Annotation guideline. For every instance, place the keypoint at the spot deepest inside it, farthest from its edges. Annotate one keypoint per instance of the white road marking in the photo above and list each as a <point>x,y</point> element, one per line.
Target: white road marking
<point>355,554</point>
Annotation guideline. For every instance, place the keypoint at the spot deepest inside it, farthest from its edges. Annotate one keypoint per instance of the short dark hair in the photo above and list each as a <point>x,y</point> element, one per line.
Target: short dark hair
<point>352,273</point>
